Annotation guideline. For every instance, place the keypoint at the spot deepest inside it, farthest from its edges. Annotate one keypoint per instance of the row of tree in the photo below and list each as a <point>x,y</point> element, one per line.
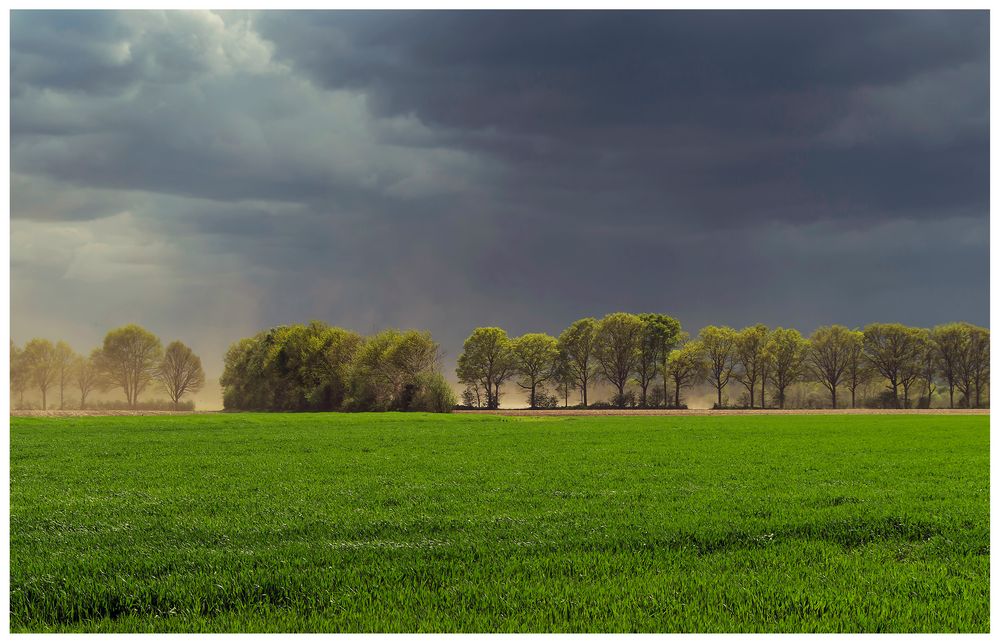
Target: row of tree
<point>317,367</point>
<point>632,353</point>
<point>130,359</point>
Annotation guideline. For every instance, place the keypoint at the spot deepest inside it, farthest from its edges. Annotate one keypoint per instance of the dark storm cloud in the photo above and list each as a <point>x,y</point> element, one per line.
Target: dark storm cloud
<point>447,170</point>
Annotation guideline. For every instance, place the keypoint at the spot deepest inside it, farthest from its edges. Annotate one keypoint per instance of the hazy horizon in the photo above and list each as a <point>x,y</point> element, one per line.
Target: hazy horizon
<point>208,175</point>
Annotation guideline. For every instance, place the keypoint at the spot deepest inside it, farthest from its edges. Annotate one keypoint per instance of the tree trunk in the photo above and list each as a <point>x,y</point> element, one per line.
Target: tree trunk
<point>833,396</point>
<point>853,389</point>
<point>763,385</point>
<point>585,392</point>
<point>677,394</point>
<point>951,395</point>
<point>719,388</point>
<point>43,399</point>
<point>532,394</point>
<point>781,397</point>
<point>751,394</point>
<point>621,396</point>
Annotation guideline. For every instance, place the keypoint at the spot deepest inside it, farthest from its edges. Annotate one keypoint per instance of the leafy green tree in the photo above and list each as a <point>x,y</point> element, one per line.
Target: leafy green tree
<point>686,366</point>
<point>893,349</point>
<point>660,336</point>
<point>787,350</point>
<point>129,359</point>
<point>576,343</point>
<point>859,370</point>
<point>913,368</point>
<point>977,362</point>
<point>751,358</point>
<point>535,356</point>
<point>719,344</point>
<point>180,372</point>
<point>828,356</point>
<point>950,343</point>
<point>617,349</point>
<point>40,360</point>
<point>487,358</point>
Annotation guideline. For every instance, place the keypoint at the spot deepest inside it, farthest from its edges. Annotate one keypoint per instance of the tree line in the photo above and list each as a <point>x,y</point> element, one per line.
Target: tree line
<point>649,361</point>
<point>130,359</point>
<point>318,367</point>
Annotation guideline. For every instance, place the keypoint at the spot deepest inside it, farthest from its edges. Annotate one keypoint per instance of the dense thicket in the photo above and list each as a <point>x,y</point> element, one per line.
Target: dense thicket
<point>130,360</point>
<point>881,365</point>
<point>317,367</point>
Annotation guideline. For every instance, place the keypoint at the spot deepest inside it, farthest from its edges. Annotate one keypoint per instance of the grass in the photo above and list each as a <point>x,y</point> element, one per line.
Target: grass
<point>477,523</point>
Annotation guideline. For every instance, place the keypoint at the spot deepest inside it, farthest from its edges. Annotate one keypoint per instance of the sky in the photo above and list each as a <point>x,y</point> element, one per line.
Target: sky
<point>208,175</point>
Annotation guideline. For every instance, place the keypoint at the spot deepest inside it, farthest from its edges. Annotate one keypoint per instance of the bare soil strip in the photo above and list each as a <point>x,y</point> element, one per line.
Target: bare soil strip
<point>690,412</point>
<point>96,412</point>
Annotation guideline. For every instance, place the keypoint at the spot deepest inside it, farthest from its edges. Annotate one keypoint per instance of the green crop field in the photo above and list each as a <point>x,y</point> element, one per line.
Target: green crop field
<point>406,522</point>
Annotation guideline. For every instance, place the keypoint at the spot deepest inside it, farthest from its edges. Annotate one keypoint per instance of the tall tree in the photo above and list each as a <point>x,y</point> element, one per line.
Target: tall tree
<point>87,375</point>
<point>663,334</point>
<point>828,357</point>
<point>686,366</point>
<point>751,357</point>
<point>39,357</point>
<point>487,358</point>
<point>892,349</point>
<point>950,343</point>
<point>787,350</point>
<point>913,368</point>
<point>979,351</point>
<point>180,372</point>
<point>719,344</point>
<point>576,343</point>
<point>62,359</point>
<point>129,359</point>
<point>617,349</point>
<point>859,370</point>
<point>535,356</point>
<point>20,375</point>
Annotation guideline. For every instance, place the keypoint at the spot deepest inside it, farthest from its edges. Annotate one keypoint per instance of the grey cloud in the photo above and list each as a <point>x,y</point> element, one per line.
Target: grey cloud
<point>210,174</point>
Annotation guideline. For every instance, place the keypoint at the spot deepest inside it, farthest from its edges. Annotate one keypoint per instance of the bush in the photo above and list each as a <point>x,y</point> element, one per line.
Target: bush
<point>432,394</point>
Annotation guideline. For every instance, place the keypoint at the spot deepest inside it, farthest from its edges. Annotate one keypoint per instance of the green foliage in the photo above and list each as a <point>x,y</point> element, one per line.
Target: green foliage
<point>487,360</point>
<point>129,359</point>
<point>576,347</point>
<point>535,359</point>
<point>389,522</point>
<point>317,367</point>
<point>719,345</point>
<point>617,347</point>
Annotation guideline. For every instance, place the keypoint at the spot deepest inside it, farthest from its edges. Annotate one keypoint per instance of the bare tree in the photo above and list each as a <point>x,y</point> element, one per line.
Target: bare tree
<point>180,372</point>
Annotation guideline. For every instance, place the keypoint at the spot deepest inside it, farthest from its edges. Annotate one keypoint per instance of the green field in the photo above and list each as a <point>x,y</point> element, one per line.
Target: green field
<point>475,523</point>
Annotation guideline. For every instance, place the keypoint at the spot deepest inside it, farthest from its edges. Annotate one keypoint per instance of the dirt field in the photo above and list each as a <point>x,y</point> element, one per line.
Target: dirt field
<point>689,412</point>
<point>581,412</point>
<point>85,413</point>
